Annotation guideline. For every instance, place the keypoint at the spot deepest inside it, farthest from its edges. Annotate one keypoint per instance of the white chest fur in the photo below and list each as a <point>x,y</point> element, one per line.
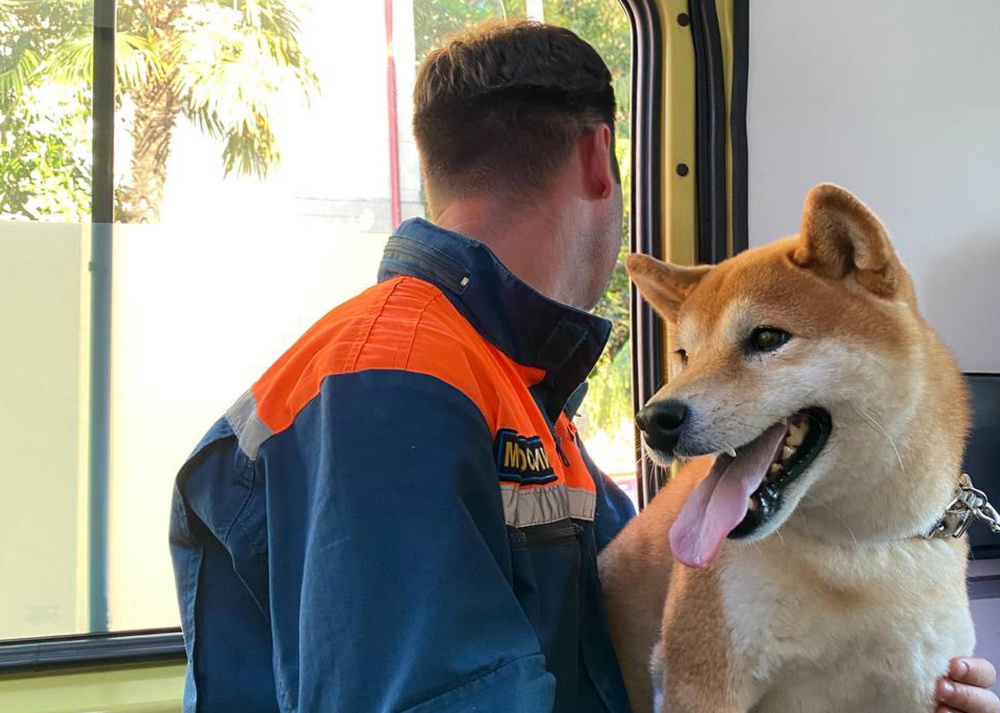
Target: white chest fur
<point>821,628</point>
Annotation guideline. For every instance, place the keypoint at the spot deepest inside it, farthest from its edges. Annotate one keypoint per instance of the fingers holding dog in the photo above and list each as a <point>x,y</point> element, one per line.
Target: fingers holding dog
<point>972,671</point>
<point>963,698</point>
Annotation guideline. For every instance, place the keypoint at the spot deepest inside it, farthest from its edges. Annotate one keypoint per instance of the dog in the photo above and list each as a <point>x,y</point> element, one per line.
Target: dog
<point>788,565</point>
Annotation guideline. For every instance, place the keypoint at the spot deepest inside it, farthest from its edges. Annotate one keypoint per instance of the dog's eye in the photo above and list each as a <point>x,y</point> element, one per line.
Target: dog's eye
<point>767,339</point>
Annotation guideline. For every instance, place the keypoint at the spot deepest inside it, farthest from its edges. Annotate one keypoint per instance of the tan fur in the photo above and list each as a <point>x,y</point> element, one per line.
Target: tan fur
<point>839,606</point>
<point>635,571</point>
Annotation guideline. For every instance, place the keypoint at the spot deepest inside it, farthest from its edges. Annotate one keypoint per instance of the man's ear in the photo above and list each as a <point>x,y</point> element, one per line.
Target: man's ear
<point>598,147</point>
<point>664,286</point>
<point>841,236</point>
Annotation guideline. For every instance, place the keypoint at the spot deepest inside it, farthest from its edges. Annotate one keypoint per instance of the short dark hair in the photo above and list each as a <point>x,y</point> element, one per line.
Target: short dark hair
<point>499,107</point>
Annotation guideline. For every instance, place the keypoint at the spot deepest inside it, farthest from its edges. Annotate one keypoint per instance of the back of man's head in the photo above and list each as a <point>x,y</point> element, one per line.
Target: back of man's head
<point>498,109</point>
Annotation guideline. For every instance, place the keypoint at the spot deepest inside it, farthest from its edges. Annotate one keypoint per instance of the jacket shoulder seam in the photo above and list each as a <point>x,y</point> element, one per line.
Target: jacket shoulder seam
<point>372,321</point>
<point>416,328</point>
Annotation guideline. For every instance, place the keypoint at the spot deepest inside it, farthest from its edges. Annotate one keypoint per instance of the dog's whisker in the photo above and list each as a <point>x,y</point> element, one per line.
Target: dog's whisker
<point>871,421</point>
<point>645,458</point>
<point>780,537</point>
<point>876,362</point>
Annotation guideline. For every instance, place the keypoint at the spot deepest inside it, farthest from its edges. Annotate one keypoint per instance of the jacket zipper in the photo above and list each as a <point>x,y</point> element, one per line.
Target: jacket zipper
<point>424,256</point>
<point>559,450</point>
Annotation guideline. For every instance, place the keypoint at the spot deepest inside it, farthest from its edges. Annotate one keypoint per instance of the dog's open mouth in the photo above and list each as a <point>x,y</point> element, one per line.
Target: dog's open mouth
<point>806,435</point>
<point>745,489</point>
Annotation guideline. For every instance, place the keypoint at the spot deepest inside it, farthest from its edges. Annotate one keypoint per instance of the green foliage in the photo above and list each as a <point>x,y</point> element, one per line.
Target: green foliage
<point>224,64</point>
<point>45,135</point>
<point>44,162</point>
<point>231,65</point>
<point>609,400</point>
<point>71,62</point>
<point>20,64</point>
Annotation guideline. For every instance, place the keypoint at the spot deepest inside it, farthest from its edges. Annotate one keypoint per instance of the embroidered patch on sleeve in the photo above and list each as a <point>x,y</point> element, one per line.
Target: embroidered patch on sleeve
<point>522,459</point>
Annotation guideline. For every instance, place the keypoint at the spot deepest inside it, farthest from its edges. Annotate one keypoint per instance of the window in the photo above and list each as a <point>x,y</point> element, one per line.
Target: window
<point>262,157</point>
<point>45,187</point>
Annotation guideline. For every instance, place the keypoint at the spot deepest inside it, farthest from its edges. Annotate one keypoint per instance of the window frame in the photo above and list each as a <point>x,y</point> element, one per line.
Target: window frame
<point>95,649</point>
<point>102,225</point>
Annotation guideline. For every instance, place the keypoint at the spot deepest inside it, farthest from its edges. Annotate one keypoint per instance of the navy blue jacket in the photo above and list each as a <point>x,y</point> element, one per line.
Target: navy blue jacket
<point>398,515</point>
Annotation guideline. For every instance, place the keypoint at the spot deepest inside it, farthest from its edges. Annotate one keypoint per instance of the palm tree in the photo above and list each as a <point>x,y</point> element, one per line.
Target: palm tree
<point>223,65</point>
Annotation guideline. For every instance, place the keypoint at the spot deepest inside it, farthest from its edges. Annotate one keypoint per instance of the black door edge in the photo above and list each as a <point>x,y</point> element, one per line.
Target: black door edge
<point>738,124</point>
<point>710,132</point>
<point>646,214</point>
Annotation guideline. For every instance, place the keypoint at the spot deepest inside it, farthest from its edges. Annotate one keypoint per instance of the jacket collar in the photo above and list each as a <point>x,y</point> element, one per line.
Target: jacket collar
<point>524,324</point>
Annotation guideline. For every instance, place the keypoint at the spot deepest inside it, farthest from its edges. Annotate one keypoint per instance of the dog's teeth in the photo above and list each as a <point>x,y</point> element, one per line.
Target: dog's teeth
<point>787,452</point>
<point>796,434</point>
<point>751,504</point>
<point>731,452</point>
<point>776,468</point>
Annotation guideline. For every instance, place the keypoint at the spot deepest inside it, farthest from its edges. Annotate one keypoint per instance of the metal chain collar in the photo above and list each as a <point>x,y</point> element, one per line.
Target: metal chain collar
<point>969,504</point>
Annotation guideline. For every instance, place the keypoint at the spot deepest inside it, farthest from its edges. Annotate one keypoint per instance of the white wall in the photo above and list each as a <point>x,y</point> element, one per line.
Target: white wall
<point>898,100</point>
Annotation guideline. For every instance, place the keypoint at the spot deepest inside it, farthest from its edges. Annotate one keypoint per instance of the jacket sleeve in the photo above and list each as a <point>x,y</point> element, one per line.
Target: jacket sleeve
<point>389,559</point>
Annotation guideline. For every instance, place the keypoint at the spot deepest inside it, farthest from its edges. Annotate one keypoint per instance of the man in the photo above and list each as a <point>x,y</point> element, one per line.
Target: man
<point>399,515</point>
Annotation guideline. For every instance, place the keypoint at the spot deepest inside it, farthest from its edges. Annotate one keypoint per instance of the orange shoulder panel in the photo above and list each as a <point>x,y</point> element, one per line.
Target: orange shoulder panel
<point>404,324</point>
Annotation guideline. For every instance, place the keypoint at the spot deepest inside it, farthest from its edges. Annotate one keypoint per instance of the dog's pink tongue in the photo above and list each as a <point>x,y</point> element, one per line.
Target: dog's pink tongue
<point>719,503</point>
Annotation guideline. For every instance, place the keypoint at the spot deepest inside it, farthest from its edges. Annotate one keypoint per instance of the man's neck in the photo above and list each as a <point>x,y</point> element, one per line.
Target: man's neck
<point>534,244</point>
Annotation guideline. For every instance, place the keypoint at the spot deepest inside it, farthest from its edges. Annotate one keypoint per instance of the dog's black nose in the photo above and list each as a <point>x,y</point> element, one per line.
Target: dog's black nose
<point>662,422</point>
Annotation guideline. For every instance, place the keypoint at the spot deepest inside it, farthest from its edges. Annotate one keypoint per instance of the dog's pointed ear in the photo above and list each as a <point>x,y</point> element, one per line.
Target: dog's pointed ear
<point>664,286</point>
<point>841,236</point>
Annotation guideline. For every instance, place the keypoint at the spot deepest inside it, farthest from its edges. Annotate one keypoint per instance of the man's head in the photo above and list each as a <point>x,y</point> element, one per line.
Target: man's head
<point>523,113</point>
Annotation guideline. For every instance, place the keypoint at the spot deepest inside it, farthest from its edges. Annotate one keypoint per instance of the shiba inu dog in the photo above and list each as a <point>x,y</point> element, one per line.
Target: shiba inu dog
<point>787,568</point>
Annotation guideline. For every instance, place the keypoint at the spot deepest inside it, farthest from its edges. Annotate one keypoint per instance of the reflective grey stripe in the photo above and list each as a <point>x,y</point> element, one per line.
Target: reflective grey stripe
<point>250,431</point>
<point>524,507</point>
<point>582,503</point>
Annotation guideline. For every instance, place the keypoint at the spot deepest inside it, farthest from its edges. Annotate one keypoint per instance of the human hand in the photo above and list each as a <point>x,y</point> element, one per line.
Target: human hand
<point>965,689</point>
